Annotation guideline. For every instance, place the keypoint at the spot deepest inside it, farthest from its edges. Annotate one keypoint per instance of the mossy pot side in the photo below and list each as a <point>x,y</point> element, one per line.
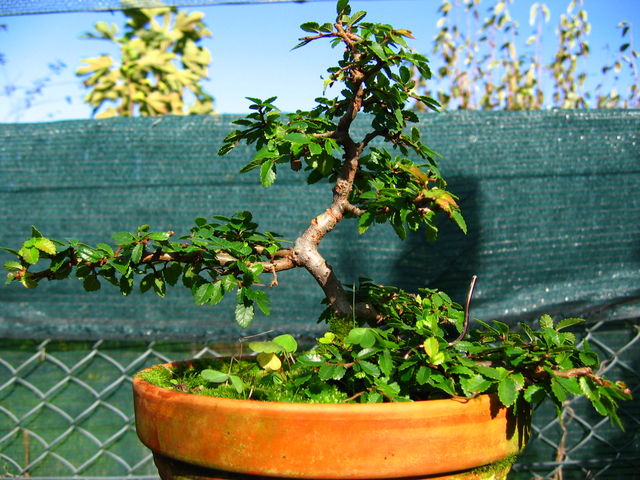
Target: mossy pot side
<point>204,437</point>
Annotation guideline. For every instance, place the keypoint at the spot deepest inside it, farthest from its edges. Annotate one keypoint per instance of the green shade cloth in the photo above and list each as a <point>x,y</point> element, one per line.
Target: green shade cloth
<point>551,200</point>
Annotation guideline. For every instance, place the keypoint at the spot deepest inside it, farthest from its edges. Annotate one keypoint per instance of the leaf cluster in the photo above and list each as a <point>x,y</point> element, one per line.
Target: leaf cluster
<point>375,72</point>
<point>160,59</point>
<point>224,256</point>
<point>413,357</point>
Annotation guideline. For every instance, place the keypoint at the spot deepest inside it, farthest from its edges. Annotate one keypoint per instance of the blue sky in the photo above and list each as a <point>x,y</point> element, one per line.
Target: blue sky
<point>251,49</point>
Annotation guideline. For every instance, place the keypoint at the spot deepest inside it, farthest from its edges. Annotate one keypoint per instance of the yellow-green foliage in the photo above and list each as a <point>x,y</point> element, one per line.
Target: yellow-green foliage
<point>160,59</point>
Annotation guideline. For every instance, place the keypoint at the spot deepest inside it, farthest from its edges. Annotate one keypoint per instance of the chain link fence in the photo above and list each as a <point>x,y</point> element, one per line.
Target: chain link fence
<point>66,411</point>
<point>66,407</point>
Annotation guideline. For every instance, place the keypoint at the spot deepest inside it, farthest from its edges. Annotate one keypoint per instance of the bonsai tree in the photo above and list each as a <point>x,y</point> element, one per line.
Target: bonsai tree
<point>382,344</point>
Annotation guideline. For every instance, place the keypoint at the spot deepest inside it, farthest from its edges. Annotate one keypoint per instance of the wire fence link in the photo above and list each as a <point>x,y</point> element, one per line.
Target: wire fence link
<point>66,411</point>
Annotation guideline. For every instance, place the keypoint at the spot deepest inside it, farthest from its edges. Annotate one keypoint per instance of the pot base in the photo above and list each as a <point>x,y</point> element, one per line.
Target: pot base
<point>217,438</point>
<point>170,469</point>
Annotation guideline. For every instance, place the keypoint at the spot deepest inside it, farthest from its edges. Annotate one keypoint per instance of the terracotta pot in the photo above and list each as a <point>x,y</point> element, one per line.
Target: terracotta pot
<point>203,437</point>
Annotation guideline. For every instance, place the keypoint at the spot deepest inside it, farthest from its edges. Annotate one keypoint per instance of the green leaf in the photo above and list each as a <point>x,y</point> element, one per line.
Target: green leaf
<point>570,384</point>
<point>599,407</point>
<point>124,238</point>
<point>255,163</point>
<point>446,385</point>
<point>237,383</point>
<point>529,331</point>
<point>287,342</point>
<point>106,248</point>
<point>10,250</point>
<point>229,282</point>
<point>312,27</point>
<point>558,391</point>
<point>502,327</point>
<point>244,315</point>
<point>378,50</point>
<point>535,394</point>
<point>546,322</point>
<point>310,359</point>
<point>369,368</point>
<point>263,302</point>
<point>432,232</point>
<point>568,322</point>
<point>507,391</point>
<point>172,273</point>
<point>214,376</point>
<point>498,373</point>
<point>326,372</point>
<point>356,17</point>
<point>136,253</point>
<point>400,230</point>
<point>405,76</point>
<point>365,221</point>
<point>203,293</point>
<point>159,287</point>
<point>146,283</point>
<point>13,266</point>
<point>91,283</point>
<point>297,137</point>
<point>126,285</point>
<point>315,149</point>
<point>159,236</point>
<point>588,358</point>
<point>423,375</point>
<point>30,254</point>
<point>589,389</point>
<point>431,347</point>
<point>475,384</point>
<point>45,245</point>
<point>217,294</point>
<point>267,173</point>
<point>385,363</point>
<point>362,337</point>
<point>457,217</point>
<point>267,346</point>
<point>121,263</point>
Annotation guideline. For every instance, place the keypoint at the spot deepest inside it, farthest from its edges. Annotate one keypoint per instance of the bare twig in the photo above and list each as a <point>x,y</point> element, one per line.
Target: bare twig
<point>465,327</point>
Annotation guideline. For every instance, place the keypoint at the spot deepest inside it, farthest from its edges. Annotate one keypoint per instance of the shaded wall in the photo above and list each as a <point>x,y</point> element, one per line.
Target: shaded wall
<point>551,199</point>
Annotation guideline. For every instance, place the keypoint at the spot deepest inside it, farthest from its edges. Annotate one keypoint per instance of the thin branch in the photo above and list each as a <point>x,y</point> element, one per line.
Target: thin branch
<point>465,328</point>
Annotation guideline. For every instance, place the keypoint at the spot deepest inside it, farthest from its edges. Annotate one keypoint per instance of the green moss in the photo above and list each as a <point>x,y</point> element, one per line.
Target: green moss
<point>185,376</point>
<point>259,384</point>
<point>494,471</point>
<point>341,327</point>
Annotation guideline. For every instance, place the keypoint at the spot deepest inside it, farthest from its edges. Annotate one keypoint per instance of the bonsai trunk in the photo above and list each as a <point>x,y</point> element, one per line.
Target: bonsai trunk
<point>305,250</point>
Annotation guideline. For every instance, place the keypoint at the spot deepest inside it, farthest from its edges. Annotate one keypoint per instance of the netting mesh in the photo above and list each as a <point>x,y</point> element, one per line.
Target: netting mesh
<point>21,7</point>
<point>554,226</point>
<point>549,197</point>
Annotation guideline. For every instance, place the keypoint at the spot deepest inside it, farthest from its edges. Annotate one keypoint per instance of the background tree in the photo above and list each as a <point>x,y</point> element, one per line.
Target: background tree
<point>160,61</point>
<point>480,67</point>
